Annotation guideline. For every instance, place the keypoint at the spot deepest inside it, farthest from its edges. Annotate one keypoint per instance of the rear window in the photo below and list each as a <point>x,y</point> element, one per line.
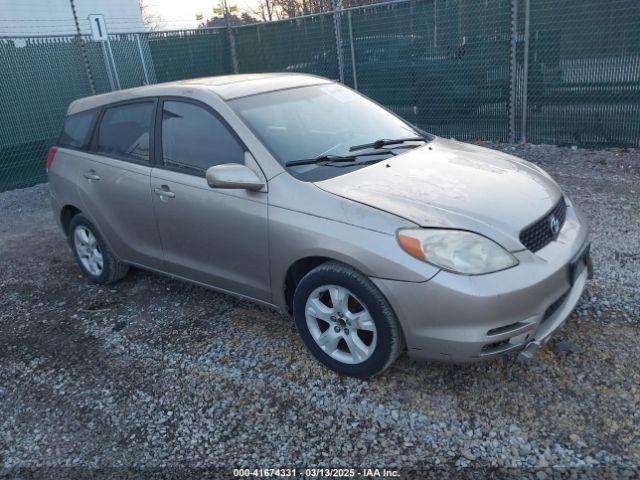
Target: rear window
<point>76,130</point>
<point>125,131</point>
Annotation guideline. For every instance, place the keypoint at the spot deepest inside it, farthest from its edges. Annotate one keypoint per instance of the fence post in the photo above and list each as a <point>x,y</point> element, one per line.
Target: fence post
<point>353,53</point>
<point>525,74</point>
<point>513,72</point>
<point>107,66</point>
<point>144,64</point>
<point>113,61</point>
<point>232,38</point>
<point>435,24</point>
<point>337,7</point>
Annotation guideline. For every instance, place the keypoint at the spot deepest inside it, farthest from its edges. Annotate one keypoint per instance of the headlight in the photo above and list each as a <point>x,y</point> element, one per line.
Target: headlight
<point>456,250</point>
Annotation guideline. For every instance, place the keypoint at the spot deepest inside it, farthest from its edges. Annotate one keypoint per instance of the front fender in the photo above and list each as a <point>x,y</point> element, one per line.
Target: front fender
<point>295,235</point>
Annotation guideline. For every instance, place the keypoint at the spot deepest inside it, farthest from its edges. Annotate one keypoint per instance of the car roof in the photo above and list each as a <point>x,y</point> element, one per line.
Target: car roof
<point>226,87</point>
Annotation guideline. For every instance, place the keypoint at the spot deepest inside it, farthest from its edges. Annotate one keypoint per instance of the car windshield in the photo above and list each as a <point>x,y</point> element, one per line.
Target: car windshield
<point>318,121</point>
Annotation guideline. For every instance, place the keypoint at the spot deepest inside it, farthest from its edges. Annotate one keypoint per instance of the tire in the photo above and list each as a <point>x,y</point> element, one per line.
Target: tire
<point>89,253</point>
<point>339,329</point>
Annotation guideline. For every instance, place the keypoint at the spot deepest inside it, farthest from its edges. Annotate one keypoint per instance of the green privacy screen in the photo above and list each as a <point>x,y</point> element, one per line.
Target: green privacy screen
<point>301,45</point>
<point>584,73</point>
<point>456,68</point>
<point>190,54</point>
<point>38,79</point>
<point>441,65</point>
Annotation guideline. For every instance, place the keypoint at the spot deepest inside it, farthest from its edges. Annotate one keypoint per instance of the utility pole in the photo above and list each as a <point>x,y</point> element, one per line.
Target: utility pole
<point>337,10</point>
<point>232,38</point>
<point>83,51</point>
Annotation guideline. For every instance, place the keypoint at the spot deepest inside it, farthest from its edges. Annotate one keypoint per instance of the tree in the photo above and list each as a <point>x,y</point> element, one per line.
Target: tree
<point>234,19</point>
<point>152,20</point>
<point>267,10</point>
<point>271,10</point>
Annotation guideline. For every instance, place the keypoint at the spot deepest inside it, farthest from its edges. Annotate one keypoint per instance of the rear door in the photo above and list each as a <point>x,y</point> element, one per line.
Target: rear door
<point>214,236</point>
<point>114,181</point>
<point>71,157</point>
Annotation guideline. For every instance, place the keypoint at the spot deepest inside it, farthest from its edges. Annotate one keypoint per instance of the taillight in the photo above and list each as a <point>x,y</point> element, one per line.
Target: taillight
<point>50,157</point>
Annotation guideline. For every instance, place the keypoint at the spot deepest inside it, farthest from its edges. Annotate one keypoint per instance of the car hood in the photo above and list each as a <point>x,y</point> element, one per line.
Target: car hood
<point>450,184</point>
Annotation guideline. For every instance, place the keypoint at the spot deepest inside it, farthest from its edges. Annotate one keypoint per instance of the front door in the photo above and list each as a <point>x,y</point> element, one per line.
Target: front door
<point>213,236</point>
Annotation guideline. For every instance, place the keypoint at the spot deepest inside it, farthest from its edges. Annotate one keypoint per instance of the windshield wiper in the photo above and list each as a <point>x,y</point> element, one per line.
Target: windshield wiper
<point>383,142</point>
<point>358,164</point>
<point>335,158</point>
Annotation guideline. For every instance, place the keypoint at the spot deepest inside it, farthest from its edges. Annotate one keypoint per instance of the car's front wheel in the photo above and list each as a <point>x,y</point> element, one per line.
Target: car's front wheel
<point>345,321</point>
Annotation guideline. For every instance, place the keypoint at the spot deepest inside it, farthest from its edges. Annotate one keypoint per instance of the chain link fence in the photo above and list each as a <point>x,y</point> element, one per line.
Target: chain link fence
<point>183,54</point>
<point>508,70</point>
<point>583,84</point>
<point>305,44</point>
<point>442,65</point>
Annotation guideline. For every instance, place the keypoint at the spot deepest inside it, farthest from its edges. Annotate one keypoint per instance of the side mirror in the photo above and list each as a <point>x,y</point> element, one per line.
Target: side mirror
<point>233,175</point>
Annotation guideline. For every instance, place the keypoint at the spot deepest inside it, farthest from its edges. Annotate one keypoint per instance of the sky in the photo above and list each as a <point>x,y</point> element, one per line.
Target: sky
<point>176,14</point>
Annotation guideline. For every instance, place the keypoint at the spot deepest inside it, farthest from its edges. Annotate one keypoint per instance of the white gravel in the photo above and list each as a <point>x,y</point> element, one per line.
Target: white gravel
<point>155,373</point>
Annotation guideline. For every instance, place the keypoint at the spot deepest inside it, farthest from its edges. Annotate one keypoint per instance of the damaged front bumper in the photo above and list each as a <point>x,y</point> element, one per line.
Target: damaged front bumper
<point>456,318</point>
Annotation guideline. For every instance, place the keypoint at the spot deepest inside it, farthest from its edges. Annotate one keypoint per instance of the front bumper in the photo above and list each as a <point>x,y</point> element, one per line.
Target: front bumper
<point>461,318</point>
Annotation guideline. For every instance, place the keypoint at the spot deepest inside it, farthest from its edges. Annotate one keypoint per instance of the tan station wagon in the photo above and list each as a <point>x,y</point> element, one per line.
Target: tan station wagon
<point>301,194</point>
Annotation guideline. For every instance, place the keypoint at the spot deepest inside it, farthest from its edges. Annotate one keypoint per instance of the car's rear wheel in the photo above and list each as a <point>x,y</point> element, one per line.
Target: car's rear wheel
<point>345,321</point>
<point>96,261</point>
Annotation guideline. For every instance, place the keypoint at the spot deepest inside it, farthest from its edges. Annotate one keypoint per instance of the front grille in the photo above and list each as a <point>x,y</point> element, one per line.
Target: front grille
<point>538,235</point>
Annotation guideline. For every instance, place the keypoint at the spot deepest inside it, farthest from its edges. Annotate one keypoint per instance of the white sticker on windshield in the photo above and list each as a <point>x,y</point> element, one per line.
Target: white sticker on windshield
<point>341,94</point>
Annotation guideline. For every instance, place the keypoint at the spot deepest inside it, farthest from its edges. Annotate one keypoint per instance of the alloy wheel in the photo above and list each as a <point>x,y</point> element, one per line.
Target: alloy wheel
<point>88,250</point>
<point>340,324</point>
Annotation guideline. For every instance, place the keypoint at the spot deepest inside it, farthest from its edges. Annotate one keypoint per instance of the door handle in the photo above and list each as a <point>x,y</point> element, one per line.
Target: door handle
<point>161,192</point>
<point>91,176</point>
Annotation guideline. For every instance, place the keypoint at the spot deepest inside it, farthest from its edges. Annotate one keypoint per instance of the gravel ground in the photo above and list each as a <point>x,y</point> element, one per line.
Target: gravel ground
<point>156,373</point>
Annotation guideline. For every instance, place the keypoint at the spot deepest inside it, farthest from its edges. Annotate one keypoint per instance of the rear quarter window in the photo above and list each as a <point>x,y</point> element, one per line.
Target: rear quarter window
<point>76,130</point>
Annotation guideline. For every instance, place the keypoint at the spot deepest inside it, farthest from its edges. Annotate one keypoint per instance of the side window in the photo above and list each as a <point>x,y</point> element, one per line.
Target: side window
<point>76,129</point>
<point>194,139</point>
<point>124,131</point>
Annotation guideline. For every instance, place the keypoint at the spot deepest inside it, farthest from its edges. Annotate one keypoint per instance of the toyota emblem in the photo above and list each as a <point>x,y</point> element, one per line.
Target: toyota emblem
<point>554,224</point>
